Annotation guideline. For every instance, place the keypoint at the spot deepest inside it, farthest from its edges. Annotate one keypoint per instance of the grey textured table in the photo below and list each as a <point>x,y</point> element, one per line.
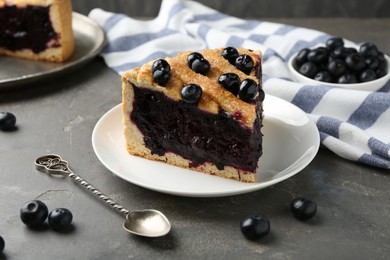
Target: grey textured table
<point>58,116</point>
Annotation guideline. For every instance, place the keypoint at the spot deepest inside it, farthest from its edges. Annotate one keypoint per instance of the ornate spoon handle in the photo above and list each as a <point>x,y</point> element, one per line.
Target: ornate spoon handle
<point>53,164</point>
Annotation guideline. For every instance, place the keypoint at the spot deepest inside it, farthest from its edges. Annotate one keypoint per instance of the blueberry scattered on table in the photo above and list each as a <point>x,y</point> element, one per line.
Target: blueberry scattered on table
<point>33,213</point>
<point>254,226</point>
<point>2,244</point>
<point>60,218</point>
<point>7,121</point>
<point>342,64</point>
<point>303,208</point>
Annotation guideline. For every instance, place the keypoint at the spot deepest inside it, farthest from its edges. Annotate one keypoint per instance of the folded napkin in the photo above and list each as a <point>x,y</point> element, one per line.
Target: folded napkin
<point>353,124</point>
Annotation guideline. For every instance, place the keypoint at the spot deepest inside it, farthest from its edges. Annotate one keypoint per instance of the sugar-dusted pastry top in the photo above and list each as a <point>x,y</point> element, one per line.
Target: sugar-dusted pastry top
<point>214,96</point>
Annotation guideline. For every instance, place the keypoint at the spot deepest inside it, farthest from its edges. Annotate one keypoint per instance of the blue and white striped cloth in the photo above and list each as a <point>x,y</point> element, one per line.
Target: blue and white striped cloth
<point>353,124</point>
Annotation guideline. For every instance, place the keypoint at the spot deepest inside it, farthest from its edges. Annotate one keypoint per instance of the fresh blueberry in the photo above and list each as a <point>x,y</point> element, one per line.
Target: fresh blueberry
<point>308,69</point>
<point>337,67</point>
<point>261,94</point>
<point>351,50</point>
<point>2,245</point>
<point>161,77</point>
<point>323,76</point>
<point>161,64</point>
<point>194,56</point>
<point>347,78</point>
<point>230,82</point>
<point>339,53</point>
<point>245,63</point>
<point>380,72</point>
<point>33,213</point>
<point>161,71</point>
<point>342,52</point>
<point>301,56</point>
<point>372,63</point>
<point>249,90</point>
<point>355,62</point>
<point>7,121</point>
<point>201,66</point>
<point>318,55</point>
<point>230,54</point>
<point>368,49</point>
<point>191,93</point>
<point>334,42</point>
<point>382,60</point>
<point>303,208</point>
<point>254,226</point>
<point>367,75</point>
<point>60,218</point>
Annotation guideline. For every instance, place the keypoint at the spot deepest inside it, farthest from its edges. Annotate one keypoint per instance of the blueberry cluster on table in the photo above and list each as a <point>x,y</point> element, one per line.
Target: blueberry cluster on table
<point>255,226</point>
<point>247,90</point>
<point>336,63</point>
<point>34,213</point>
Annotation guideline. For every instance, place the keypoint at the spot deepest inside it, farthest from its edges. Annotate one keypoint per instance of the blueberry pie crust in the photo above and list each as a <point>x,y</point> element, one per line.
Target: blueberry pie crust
<point>36,29</point>
<point>198,110</point>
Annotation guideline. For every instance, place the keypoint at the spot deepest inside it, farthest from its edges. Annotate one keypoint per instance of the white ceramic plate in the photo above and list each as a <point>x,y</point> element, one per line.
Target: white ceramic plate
<point>291,140</point>
<point>89,41</point>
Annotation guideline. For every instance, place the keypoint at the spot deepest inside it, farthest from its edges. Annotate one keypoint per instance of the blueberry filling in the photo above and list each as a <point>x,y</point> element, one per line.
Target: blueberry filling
<point>26,27</point>
<point>199,136</point>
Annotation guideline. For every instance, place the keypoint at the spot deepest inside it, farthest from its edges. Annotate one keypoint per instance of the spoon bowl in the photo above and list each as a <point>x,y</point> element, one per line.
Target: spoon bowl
<point>147,223</point>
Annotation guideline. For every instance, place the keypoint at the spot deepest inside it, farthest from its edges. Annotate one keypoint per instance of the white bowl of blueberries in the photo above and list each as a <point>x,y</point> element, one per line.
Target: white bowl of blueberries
<point>341,64</point>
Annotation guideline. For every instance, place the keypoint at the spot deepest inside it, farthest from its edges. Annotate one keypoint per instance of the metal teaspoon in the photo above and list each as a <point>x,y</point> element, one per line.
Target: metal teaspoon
<point>147,222</point>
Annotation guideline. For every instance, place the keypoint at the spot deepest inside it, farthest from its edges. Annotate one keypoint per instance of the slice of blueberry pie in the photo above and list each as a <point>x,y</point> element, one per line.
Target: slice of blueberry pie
<point>198,110</point>
<point>36,29</point>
